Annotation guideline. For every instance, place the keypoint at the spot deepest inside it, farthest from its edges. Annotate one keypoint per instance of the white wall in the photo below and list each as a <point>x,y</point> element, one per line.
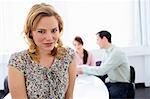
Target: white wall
<point>83,18</point>
<point>140,59</point>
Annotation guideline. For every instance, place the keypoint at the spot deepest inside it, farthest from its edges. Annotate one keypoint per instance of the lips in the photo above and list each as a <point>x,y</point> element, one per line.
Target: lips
<point>48,44</point>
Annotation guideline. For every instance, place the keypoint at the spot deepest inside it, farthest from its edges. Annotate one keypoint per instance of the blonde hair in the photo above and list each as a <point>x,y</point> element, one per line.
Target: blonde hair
<point>36,13</point>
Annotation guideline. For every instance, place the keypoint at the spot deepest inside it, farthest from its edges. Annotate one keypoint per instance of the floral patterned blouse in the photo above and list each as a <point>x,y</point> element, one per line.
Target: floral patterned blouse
<point>42,82</point>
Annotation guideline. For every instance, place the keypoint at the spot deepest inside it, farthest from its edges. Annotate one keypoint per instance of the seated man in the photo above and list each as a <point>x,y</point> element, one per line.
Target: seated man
<point>115,66</point>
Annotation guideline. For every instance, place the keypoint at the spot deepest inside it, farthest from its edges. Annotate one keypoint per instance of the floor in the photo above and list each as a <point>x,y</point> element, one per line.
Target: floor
<point>142,93</point>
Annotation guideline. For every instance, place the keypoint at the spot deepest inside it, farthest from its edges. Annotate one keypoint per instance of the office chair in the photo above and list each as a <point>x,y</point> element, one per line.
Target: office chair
<point>4,92</point>
<point>131,88</point>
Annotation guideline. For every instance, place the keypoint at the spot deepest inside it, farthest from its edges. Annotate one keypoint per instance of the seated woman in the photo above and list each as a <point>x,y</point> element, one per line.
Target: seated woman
<point>82,55</point>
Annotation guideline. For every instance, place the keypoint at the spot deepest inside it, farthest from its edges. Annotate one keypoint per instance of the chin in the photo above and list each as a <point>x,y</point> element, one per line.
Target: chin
<point>49,49</point>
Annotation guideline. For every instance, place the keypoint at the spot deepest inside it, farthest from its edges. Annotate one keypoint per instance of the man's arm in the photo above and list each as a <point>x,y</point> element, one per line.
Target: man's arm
<point>113,61</point>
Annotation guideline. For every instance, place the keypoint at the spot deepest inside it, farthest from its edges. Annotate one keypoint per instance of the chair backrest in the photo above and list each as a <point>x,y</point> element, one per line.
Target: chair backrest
<point>131,88</point>
<point>132,74</point>
<point>6,88</point>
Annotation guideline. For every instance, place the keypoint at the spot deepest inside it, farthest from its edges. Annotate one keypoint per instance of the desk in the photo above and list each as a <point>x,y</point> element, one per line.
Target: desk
<point>87,87</point>
<point>90,87</point>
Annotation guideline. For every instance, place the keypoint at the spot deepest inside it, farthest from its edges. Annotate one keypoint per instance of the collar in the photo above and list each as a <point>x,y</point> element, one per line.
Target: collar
<point>109,49</point>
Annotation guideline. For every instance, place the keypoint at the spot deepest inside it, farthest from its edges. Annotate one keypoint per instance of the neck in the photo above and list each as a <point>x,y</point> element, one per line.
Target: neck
<point>108,45</point>
<point>80,51</point>
<point>42,53</point>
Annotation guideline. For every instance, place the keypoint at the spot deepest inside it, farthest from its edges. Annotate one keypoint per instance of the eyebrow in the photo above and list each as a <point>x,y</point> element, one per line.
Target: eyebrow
<point>55,28</point>
<point>45,29</point>
<point>40,29</point>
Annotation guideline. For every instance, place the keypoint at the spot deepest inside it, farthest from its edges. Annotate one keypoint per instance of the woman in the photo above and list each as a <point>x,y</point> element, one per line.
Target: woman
<point>46,70</point>
<point>82,55</point>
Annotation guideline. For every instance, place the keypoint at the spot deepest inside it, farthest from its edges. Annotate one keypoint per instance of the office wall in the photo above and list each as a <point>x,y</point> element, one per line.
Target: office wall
<point>140,59</point>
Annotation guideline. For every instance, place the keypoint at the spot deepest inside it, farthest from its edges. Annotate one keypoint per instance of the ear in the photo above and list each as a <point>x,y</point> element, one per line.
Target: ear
<point>104,38</point>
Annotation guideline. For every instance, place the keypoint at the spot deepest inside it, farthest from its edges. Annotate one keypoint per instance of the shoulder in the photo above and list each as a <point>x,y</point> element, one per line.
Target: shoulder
<point>70,54</point>
<point>70,51</point>
<point>18,60</point>
<point>19,54</point>
<point>90,52</point>
<point>118,51</point>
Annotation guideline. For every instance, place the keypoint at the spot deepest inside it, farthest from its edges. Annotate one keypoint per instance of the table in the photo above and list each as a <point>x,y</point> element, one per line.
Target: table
<point>87,87</point>
<point>90,87</point>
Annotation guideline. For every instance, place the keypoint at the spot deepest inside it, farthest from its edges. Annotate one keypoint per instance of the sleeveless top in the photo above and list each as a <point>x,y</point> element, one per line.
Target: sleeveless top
<point>42,82</point>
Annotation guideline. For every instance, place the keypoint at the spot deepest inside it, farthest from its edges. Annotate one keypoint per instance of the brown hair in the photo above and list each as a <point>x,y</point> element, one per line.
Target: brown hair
<point>36,13</point>
<point>85,53</point>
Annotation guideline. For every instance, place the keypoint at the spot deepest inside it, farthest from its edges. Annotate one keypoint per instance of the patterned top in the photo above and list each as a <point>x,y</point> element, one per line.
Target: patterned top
<point>42,82</point>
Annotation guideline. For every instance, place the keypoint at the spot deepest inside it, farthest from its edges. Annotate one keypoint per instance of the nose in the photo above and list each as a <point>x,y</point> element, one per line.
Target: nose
<point>49,36</point>
<point>76,47</point>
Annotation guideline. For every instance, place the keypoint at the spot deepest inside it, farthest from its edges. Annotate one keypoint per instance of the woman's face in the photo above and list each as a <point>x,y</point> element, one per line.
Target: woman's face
<point>78,46</point>
<point>46,34</point>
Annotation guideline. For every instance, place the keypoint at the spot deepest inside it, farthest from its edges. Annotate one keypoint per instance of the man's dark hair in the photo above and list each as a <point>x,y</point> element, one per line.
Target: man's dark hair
<point>106,34</point>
